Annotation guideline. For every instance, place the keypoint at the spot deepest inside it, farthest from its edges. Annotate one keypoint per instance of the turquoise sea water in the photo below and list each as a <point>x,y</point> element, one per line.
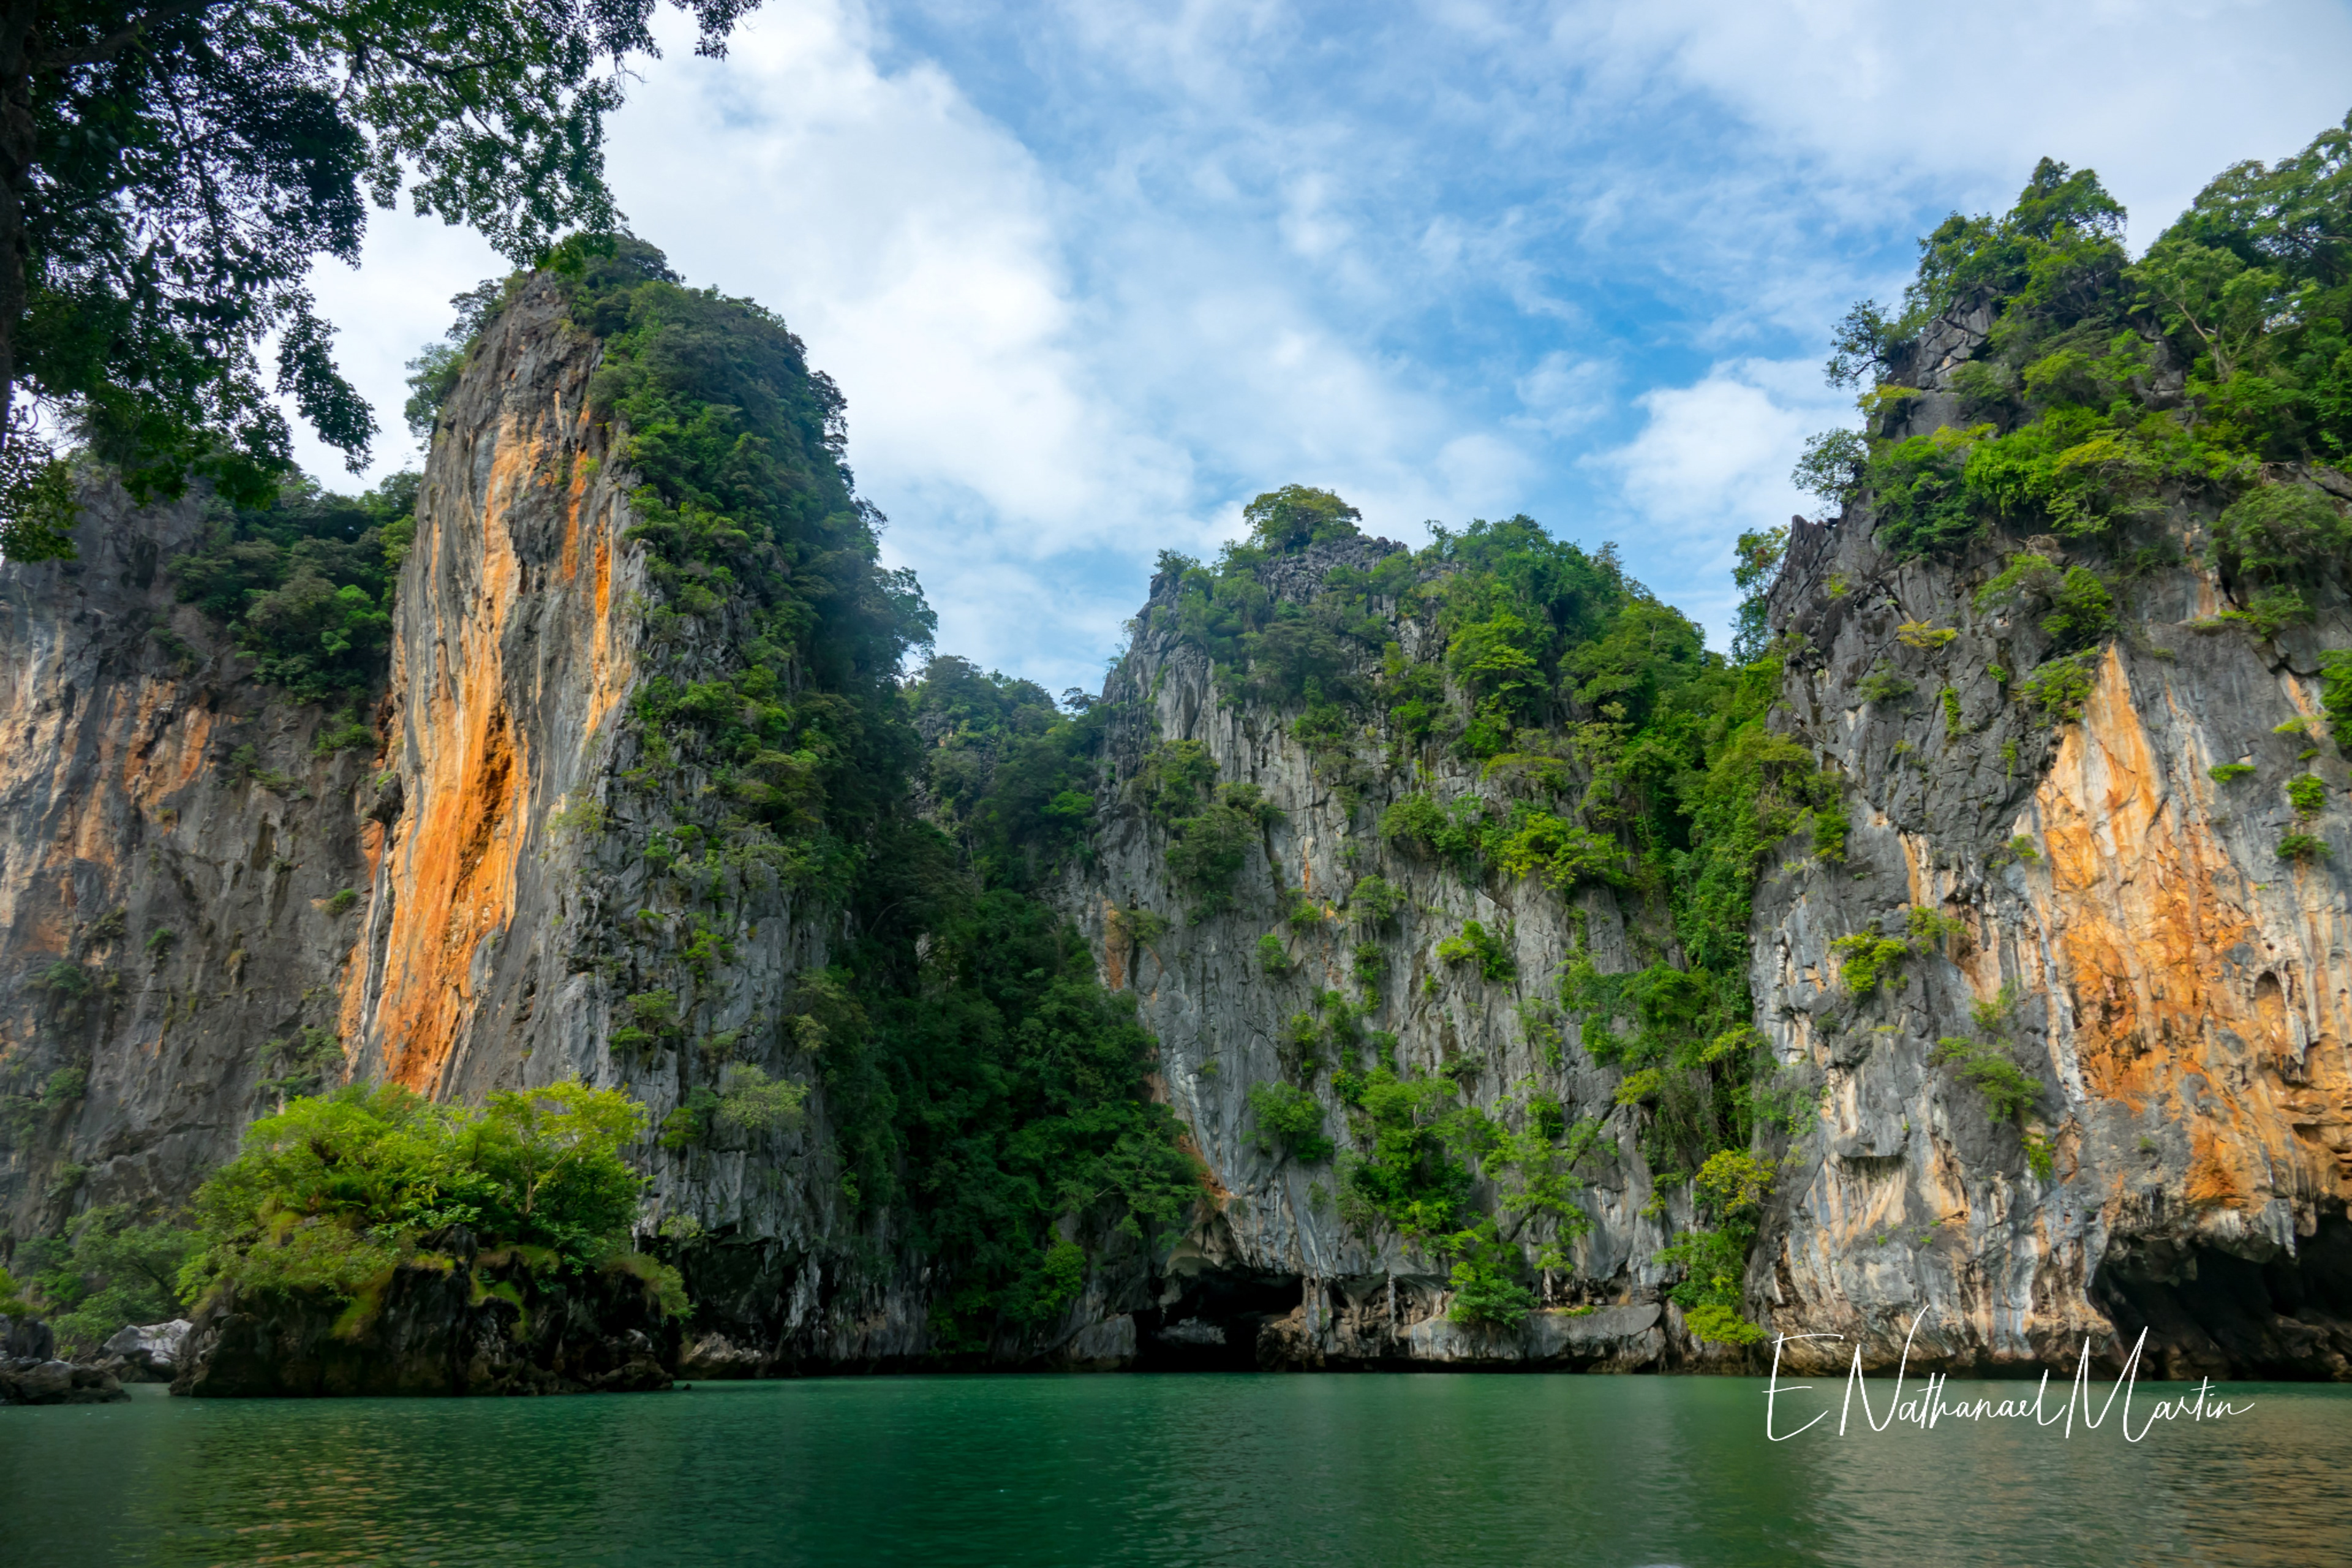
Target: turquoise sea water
<point>1179,1468</point>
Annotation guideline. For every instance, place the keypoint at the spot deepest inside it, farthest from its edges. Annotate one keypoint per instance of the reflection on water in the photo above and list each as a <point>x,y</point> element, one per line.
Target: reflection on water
<point>1179,1469</point>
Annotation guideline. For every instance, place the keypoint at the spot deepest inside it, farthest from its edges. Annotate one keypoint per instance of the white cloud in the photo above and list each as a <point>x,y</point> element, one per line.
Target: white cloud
<point>1091,283</point>
<point>1564,393</point>
<point>912,244</point>
<point>1886,96</point>
<point>1711,460</point>
<point>1720,449</point>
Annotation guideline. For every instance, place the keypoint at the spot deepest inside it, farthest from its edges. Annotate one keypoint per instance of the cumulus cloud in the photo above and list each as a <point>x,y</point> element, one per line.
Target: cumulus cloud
<point>1711,461</point>
<point>1563,393</point>
<point>1885,95</point>
<point>1091,283</point>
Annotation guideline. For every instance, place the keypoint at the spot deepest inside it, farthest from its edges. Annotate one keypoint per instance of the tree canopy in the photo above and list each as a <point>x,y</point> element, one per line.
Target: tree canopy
<point>2093,389</point>
<point>169,170</point>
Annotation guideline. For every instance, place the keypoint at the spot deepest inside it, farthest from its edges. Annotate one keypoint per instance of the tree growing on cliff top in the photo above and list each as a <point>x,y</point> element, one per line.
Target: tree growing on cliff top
<point>169,169</point>
<point>2089,387</point>
<point>1297,515</point>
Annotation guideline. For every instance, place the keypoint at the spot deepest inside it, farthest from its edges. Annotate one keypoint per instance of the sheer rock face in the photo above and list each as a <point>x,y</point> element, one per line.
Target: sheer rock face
<point>2181,990</point>
<point>496,865</point>
<point>1278,1265</point>
<point>170,854</point>
<point>2183,995</point>
<point>511,669</point>
<point>506,934</point>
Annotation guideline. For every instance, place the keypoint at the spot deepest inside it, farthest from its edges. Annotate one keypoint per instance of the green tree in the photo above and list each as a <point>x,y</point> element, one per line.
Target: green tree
<point>304,584</point>
<point>107,1271</point>
<point>335,1190</point>
<point>170,168</point>
<point>555,1153</point>
<point>1297,515</point>
<point>1756,567</point>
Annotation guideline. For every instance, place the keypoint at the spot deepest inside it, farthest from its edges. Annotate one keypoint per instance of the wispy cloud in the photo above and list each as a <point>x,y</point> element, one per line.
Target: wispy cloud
<point>1092,282</point>
<point>1711,460</point>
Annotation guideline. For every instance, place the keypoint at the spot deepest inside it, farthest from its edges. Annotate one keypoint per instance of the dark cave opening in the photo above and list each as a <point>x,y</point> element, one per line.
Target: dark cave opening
<point>1213,1324</point>
<point>2211,1313</point>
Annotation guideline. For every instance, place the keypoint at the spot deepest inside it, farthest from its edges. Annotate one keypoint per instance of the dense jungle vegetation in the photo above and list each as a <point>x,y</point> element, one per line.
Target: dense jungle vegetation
<point>303,585</point>
<point>1606,746</point>
<point>985,1093</point>
<point>2096,390</point>
<point>334,1192</point>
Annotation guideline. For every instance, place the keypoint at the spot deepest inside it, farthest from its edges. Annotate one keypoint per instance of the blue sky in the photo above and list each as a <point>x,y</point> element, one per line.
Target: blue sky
<point>1092,275</point>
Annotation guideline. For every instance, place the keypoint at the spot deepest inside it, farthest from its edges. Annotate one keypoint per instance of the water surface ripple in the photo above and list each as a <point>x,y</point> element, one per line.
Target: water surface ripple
<point>1406,1468</point>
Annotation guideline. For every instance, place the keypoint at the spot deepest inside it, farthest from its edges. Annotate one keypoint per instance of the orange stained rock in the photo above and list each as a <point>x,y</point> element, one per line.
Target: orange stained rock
<point>1115,945</point>
<point>175,758</point>
<point>453,864</point>
<point>570,566</point>
<point>2214,1174</point>
<point>611,669</point>
<point>87,831</point>
<point>2146,907</point>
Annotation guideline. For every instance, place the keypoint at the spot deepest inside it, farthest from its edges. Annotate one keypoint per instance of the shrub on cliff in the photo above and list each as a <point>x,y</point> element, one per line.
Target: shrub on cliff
<point>335,1191</point>
<point>2103,386</point>
<point>1290,1118</point>
<point>1014,774</point>
<point>2281,533</point>
<point>1730,1189</point>
<point>1297,515</point>
<point>1210,827</point>
<point>1483,1279</point>
<point>304,585</point>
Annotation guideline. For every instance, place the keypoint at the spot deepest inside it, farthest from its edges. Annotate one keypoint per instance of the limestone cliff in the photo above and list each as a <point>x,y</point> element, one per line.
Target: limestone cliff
<point>1278,1265</point>
<point>2181,987</point>
<point>169,882</point>
<point>176,876</point>
<point>186,886</point>
<point>2102,906</point>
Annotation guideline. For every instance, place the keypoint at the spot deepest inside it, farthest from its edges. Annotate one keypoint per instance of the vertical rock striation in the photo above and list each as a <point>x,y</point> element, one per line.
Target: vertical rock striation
<point>510,671</point>
<point>170,851</point>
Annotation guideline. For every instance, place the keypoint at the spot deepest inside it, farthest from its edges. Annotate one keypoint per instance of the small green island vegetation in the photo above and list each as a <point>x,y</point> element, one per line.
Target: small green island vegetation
<point>332,1194</point>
